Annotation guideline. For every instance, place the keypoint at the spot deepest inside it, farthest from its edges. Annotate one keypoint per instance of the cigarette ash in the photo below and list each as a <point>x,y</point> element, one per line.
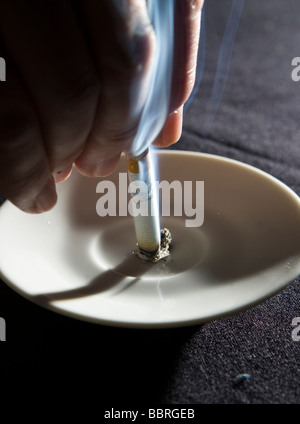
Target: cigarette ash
<point>162,252</point>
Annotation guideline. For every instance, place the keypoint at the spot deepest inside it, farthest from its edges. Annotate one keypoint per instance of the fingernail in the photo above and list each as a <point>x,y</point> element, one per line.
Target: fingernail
<point>101,168</point>
<point>171,131</point>
<point>46,199</point>
<point>61,175</point>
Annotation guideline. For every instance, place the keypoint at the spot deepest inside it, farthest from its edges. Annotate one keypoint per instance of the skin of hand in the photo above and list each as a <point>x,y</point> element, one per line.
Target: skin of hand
<point>71,66</point>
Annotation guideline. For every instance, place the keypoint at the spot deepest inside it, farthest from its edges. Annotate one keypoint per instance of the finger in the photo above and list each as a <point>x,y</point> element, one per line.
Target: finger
<point>49,49</point>
<point>62,175</point>
<point>186,41</point>
<point>25,177</point>
<point>171,131</point>
<point>123,63</point>
<point>106,166</point>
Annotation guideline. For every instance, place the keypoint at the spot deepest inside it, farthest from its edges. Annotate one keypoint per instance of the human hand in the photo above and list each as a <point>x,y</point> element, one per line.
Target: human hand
<point>71,69</point>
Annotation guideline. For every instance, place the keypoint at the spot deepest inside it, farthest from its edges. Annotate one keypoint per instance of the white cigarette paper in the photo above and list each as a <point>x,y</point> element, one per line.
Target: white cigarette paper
<point>146,213</point>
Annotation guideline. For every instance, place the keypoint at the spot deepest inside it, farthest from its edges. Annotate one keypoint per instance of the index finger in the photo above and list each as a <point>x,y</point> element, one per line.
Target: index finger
<point>186,41</point>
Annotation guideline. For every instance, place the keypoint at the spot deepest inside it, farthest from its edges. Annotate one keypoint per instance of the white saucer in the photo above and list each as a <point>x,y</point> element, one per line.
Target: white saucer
<point>74,262</point>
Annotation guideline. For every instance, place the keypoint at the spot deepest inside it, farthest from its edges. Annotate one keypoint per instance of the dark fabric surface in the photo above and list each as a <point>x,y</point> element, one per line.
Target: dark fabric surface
<point>249,357</point>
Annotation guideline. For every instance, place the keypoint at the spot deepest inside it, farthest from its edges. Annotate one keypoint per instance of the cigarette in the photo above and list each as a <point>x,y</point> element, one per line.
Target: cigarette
<point>147,225</point>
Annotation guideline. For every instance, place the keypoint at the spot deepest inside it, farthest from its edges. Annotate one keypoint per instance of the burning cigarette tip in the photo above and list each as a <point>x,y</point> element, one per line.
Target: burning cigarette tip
<point>162,252</point>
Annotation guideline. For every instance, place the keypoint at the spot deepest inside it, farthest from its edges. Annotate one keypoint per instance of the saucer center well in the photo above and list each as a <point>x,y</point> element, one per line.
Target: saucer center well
<point>115,245</point>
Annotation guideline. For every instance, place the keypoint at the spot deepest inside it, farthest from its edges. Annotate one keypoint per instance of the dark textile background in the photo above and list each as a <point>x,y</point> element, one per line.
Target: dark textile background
<point>249,357</point>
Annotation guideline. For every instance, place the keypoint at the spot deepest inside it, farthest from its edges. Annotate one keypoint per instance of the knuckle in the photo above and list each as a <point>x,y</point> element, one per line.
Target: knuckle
<point>16,126</point>
<point>22,157</point>
<point>79,92</point>
<point>70,120</point>
<point>23,179</point>
<point>195,5</point>
<point>143,50</point>
<point>132,37</point>
<point>132,57</point>
<point>116,137</point>
<point>28,175</point>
